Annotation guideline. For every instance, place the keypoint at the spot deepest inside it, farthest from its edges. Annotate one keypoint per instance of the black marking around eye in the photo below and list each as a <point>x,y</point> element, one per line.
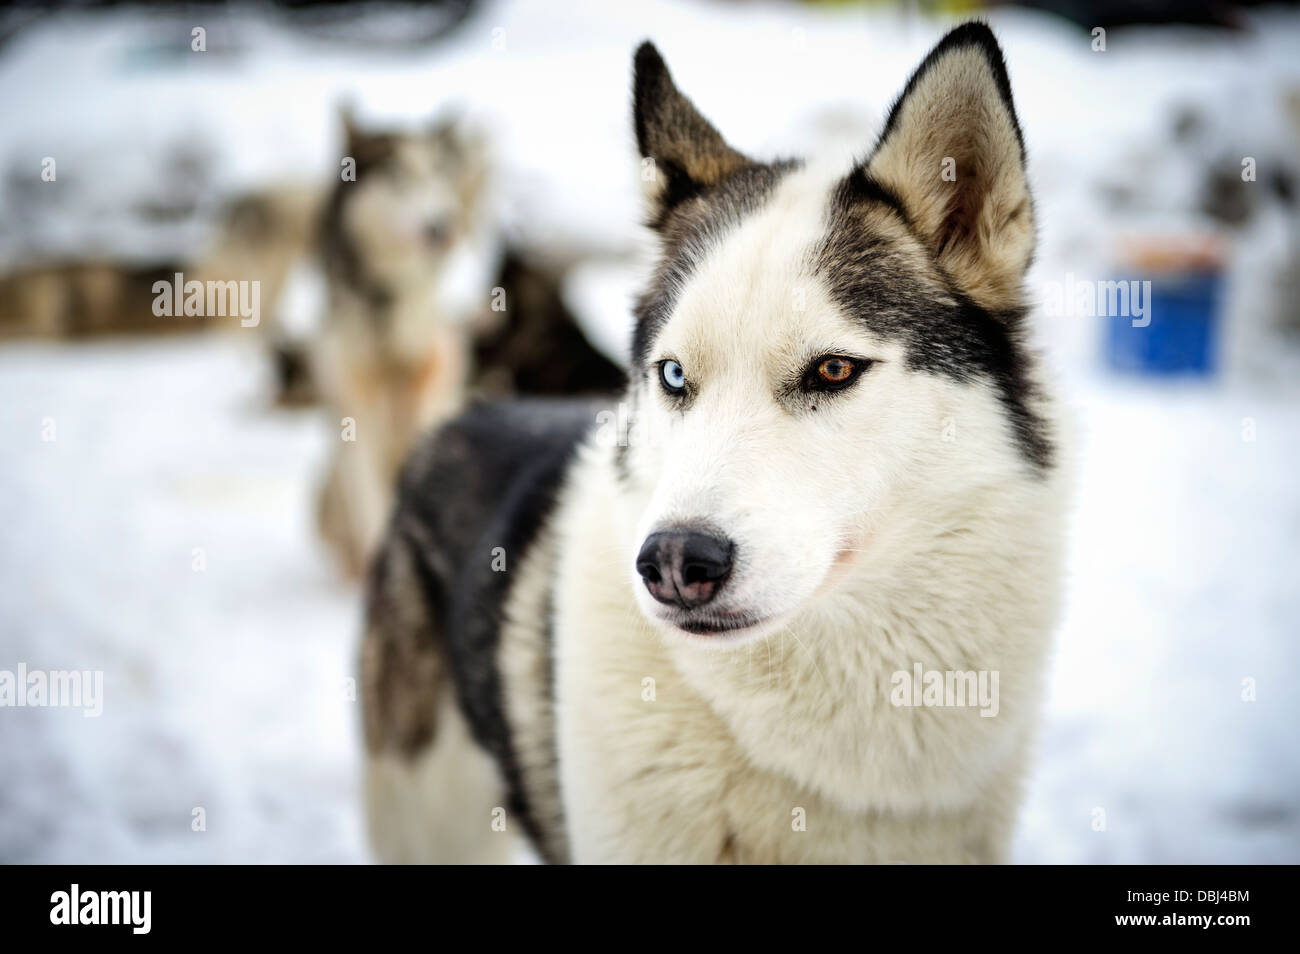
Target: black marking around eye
<point>812,382</point>
<point>872,278</point>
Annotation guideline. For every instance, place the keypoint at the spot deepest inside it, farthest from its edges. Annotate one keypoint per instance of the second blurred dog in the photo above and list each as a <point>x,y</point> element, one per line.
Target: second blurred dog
<point>390,359</point>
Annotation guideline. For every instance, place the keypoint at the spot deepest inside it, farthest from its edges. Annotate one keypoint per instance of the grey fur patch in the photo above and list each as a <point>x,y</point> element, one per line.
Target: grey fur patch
<point>402,668</point>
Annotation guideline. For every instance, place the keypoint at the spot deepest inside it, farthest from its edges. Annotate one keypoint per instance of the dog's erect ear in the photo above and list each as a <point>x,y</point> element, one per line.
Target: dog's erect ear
<point>462,149</point>
<point>952,154</point>
<point>682,154</point>
<point>365,147</point>
<point>348,120</point>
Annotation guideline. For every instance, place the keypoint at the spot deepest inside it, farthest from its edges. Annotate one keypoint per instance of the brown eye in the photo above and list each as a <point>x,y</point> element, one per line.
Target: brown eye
<point>835,370</point>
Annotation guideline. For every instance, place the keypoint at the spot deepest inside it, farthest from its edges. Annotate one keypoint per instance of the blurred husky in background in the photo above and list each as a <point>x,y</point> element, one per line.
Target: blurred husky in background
<point>681,640</point>
<point>396,354</point>
<point>390,358</point>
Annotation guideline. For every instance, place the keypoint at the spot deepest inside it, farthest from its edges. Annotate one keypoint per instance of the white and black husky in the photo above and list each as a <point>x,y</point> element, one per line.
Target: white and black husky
<point>750,627</point>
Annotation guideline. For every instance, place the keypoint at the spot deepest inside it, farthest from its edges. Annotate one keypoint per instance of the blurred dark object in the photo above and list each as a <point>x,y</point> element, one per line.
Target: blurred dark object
<point>1118,13</point>
<point>1232,201</point>
<point>536,345</point>
<point>294,385</point>
<point>406,23</point>
<point>85,298</point>
<point>391,23</point>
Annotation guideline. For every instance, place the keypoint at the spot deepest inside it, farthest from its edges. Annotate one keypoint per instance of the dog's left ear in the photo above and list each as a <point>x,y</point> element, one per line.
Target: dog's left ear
<point>682,154</point>
<point>465,148</point>
<point>952,154</point>
<point>364,147</point>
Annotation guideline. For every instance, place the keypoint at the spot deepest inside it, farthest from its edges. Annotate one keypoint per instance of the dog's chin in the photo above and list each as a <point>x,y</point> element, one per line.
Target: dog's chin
<point>718,629</point>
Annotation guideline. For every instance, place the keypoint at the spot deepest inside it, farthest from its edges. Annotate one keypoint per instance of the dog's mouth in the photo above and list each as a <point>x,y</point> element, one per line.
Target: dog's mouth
<point>715,626</point>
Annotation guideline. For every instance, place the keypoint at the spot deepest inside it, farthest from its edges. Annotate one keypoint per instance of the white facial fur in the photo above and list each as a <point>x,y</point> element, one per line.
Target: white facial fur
<point>405,216</point>
<point>801,492</point>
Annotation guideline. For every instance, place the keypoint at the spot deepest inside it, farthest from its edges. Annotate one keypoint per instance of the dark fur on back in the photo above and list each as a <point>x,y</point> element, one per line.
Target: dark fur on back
<point>486,480</point>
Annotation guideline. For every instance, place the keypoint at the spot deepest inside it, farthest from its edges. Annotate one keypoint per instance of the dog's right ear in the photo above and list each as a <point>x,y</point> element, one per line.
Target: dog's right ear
<point>348,120</point>
<point>366,148</point>
<point>681,153</point>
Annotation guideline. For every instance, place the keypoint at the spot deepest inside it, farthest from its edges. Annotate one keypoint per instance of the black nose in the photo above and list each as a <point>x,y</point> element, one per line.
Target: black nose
<point>684,568</point>
<point>437,232</point>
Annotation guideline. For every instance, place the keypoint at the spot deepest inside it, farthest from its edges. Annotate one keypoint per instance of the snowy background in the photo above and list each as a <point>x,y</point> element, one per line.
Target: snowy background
<point>228,689</point>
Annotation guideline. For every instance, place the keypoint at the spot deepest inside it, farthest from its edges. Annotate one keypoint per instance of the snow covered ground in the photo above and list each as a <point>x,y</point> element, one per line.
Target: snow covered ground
<point>1183,586</point>
<point>226,686</point>
<point>164,534</point>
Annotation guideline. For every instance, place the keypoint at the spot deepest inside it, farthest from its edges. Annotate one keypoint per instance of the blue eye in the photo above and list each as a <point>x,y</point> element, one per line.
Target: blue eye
<point>672,375</point>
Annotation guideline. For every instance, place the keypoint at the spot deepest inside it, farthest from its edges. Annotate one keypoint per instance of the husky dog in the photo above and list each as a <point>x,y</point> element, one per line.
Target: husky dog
<point>389,359</point>
<point>393,357</point>
<point>683,641</point>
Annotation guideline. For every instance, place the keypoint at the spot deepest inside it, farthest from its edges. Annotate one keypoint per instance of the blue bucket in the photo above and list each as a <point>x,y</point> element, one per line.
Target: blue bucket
<point>1182,336</point>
